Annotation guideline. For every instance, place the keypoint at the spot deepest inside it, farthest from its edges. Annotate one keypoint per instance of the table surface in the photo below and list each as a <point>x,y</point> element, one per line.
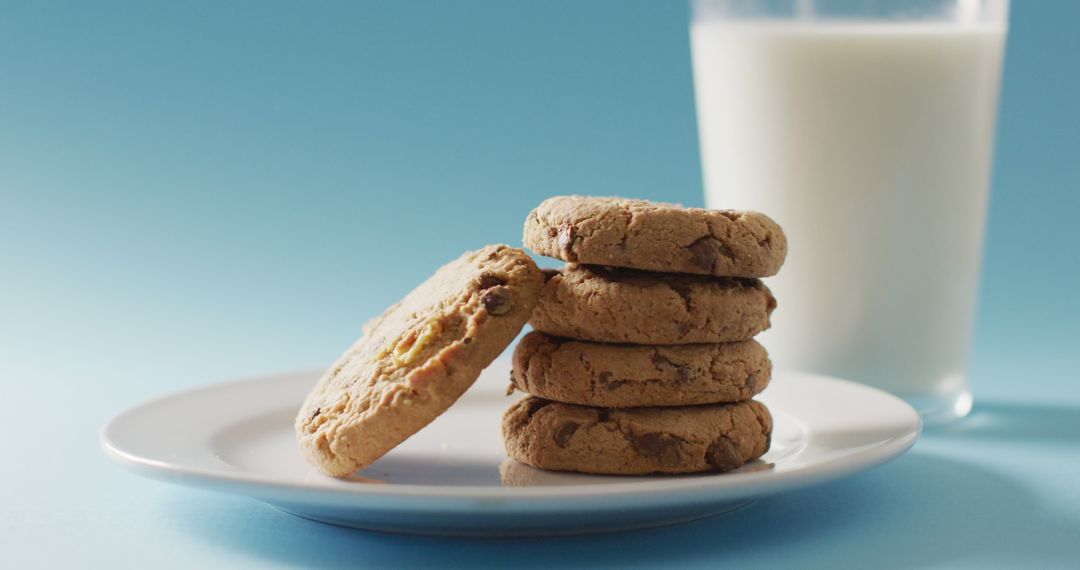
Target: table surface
<point>195,192</point>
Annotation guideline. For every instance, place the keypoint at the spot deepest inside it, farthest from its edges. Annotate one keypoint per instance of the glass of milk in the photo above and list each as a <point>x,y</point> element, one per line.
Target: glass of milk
<point>866,129</point>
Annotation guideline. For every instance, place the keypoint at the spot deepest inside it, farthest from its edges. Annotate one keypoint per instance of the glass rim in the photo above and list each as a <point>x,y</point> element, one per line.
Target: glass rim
<point>954,12</point>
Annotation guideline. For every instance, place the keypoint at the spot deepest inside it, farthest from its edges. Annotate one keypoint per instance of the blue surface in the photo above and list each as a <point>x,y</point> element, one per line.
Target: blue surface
<point>192,193</point>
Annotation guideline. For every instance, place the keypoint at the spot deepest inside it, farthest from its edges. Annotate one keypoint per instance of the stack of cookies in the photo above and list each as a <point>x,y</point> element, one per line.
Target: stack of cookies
<point>642,358</point>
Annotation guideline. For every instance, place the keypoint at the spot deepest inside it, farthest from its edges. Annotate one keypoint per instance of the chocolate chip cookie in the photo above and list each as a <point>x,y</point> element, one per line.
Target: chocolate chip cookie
<point>624,305</point>
<point>417,358</point>
<point>630,375</point>
<point>657,237</point>
<point>636,441</point>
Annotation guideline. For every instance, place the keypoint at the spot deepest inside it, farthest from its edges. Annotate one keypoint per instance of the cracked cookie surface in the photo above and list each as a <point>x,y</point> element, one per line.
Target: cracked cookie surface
<point>417,358</point>
<point>636,441</point>
<point>657,237</point>
<point>628,306</point>
<point>626,376</point>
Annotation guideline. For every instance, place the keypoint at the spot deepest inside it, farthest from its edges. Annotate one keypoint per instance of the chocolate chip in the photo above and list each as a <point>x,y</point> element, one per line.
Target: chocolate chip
<point>659,446</point>
<point>566,240</point>
<point>659,360</point>
<point>686,294</point>
<point>550,274</point>
<point>608,383</point>
<point>723,455</point>
<point>564,432</point>
<point>751,381</point>
<point>703,253</point>
<point>496,301</point>
<point>487,281</point>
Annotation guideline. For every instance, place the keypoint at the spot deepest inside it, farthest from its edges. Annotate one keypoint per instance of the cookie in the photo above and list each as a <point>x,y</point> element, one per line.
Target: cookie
<point>630,375</point>
<point>417,358</point>
<point>656,237</point>
<point>624,305</point>
<point>636,441</point>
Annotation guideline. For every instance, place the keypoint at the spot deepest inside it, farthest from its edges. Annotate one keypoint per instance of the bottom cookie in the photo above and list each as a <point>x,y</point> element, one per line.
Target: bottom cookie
<point>638,441</point>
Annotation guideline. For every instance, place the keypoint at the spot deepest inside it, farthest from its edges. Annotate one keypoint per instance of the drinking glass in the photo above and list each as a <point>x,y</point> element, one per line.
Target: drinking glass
<point>865,128</point>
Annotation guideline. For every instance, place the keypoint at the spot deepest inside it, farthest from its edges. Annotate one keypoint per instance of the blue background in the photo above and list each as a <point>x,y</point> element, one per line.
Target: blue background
<point>192,192</point>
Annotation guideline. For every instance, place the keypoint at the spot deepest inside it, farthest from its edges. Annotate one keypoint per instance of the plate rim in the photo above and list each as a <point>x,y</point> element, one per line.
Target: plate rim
<point>730,485</point>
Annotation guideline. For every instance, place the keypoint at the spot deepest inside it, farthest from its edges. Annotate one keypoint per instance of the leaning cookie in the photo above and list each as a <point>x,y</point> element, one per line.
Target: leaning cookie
<point>417,358</point>
<point>657,237</point>
<point>630,375</point>
<point>638,441</point>
<point>624,305</point>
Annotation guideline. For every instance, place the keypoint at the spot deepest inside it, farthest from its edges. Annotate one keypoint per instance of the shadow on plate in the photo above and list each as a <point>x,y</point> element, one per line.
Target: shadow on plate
<point>515,474</point>
<point>408,470</point>
<point>922,509</point>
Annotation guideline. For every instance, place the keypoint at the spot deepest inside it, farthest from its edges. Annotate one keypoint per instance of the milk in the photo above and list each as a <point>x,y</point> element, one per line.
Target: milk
<point>871,145</point>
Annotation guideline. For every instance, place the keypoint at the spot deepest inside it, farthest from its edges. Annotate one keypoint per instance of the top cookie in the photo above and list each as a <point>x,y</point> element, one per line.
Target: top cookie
<point>417,358</point>
<point>658,237</point>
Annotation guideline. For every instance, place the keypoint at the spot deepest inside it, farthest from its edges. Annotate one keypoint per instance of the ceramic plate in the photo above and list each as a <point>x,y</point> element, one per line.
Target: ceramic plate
<point>453,477</point>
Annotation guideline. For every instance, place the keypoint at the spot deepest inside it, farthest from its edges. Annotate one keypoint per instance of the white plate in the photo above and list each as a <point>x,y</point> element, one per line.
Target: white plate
<point>454,478</point>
